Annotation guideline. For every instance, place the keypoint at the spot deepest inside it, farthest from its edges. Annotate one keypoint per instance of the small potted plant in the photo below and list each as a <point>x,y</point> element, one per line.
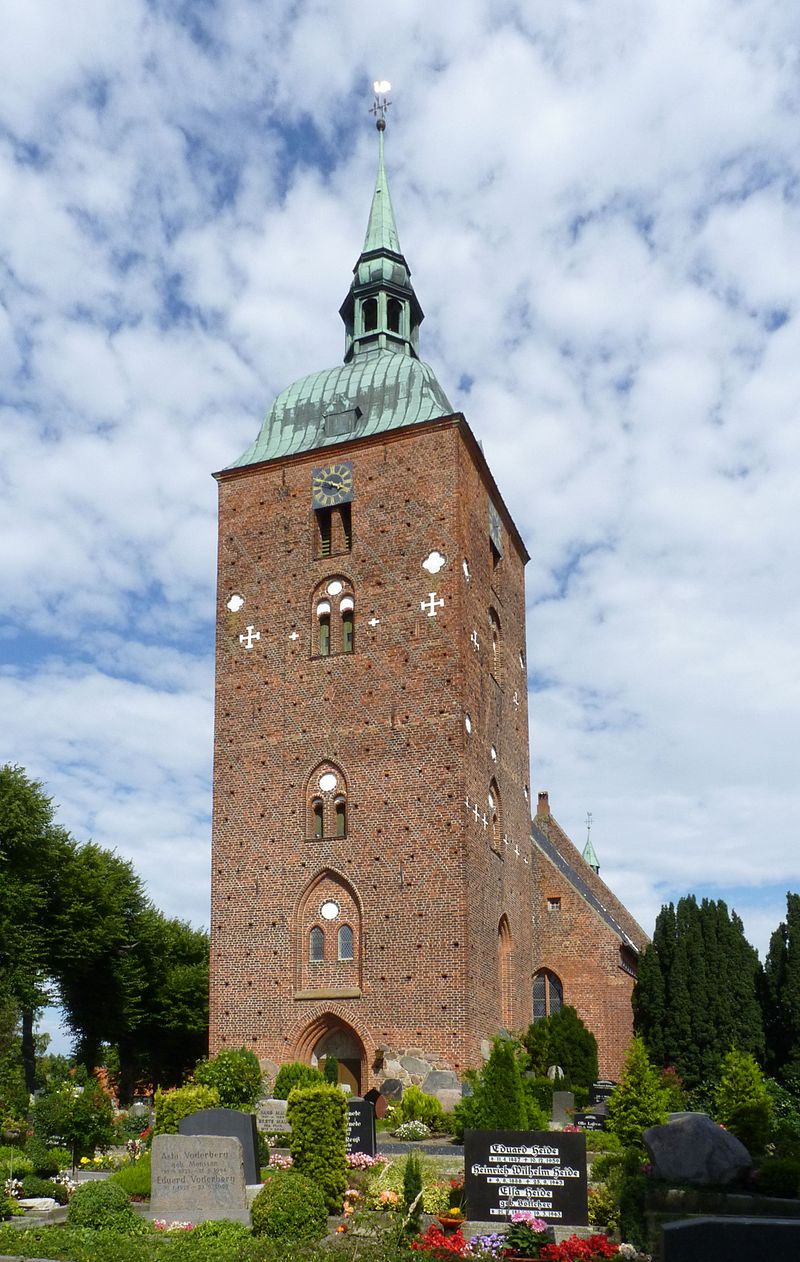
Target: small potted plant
<point>454,1215</point>
<point>525,1236</point>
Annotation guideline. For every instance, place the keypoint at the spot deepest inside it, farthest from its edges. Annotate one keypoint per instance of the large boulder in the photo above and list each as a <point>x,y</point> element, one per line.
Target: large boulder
<point>693,1149</point>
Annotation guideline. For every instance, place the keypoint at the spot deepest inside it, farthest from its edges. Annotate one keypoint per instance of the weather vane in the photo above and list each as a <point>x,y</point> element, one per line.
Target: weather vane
<point>588,825</point>
<point>380,105</point>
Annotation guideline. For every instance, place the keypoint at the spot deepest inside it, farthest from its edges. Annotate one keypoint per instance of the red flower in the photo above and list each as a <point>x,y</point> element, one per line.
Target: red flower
<point>439,1245</point>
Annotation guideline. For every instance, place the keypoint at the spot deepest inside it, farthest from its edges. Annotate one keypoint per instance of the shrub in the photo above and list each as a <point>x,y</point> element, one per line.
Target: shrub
<point>412,1131</point>
<point>295,1074</point>
<point>633,1200</point>
<point>46,1161</point>
<point>171,1106</point>
<point>639,1101</point>
<point>236,1075</point>
<point>13,1160</point>
<point>412,1189</point>
<point>417,1106</point>
<point>291,1208</point>
<point>318,1118</point>
<point>741,1100</point>
<point>135,1178</point>
<point>78,1120</point>
<point>33,1185</point>
<point>606,1164</point>
<point>104,1205</point>
<point>563,1039</point>
<point>602,1141</point>
<point>539,1091</point>
<point>779,1177</point>
<point>331,1070</point>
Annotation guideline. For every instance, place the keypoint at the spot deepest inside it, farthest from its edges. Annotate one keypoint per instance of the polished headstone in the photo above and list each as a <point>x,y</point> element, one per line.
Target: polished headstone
<point>233,1122</point>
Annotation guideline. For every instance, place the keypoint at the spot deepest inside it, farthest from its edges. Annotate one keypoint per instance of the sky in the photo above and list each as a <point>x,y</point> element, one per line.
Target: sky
<point>600,204</point>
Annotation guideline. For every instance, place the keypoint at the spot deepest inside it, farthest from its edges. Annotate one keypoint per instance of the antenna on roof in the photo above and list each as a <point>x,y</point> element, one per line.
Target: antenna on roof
<point>380,105</point>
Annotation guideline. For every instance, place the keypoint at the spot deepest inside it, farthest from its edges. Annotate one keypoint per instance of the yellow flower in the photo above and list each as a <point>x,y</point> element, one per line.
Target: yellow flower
<point>84,1161</point>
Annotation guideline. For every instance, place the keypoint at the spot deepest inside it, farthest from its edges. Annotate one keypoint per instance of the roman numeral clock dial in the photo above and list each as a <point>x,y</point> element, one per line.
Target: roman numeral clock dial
<point>332,485</point>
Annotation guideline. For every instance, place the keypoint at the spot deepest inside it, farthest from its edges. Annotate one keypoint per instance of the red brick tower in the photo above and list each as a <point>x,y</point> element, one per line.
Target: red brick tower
<point>372,861</point>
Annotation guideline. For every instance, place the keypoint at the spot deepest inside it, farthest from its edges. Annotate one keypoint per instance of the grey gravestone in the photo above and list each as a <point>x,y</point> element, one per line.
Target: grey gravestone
<point>721,1239</point>
<point>361,1126</point>
<point>506,1171</point>
<point>591,1121</point>
<point>392,1088</point>
<point>563,1107</point>
<point>693,1149</point>
<point>197,1177</point>
<point>271,1116</point>
<point>241,1126</point>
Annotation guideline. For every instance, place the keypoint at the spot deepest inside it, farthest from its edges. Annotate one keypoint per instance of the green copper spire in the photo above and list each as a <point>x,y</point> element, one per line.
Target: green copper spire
<point>589,855</point>
<point>381,311</point>
<point>381,229</point>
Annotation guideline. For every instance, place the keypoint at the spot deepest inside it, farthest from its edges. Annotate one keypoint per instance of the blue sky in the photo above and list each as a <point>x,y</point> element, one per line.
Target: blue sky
<point>600,204</point>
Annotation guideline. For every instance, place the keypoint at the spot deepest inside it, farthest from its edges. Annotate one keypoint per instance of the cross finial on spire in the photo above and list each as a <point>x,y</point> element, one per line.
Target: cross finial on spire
<point>381,104</point>
<point>588,824</point>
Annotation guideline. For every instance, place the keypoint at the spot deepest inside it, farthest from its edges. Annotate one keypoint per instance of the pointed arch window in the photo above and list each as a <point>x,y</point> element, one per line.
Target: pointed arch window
<point>324,628</point>
<point>340,816</point>
<point>318,817</point>
<point>369,314</point>
<point>394,315</point>
<point>333,617</point>
<point>495,813</point>
<point>345,943</point>
<point>347,610</point>
<point>504,970</point>
<point>494,637</point>
<point>326,802</point>
<point>548,994</point>
<point>316,946</point>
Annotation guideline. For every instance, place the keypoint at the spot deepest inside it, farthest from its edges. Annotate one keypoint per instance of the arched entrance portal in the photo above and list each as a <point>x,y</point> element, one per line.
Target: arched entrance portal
<point>330,1036</point>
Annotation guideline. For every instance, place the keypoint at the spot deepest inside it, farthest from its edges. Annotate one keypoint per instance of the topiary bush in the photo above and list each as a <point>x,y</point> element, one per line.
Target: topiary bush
<point>104,1205</point>
<point>171,1106</point>
<point>318,1118</point>
<point>295,1074</point>
<point>236,1075</point>
<point>291,1208</point>
<point>135,1178</point>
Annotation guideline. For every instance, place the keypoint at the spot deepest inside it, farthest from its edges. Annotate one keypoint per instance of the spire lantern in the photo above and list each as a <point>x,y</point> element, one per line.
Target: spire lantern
<point>381,311</point>
<point>589,855</point>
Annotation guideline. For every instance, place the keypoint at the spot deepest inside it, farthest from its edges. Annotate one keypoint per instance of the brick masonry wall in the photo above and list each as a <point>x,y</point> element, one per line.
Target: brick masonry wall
<point>422,881</point>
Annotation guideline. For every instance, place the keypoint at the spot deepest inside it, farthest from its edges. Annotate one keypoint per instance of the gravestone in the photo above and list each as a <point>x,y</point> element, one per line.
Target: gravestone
<point>591,1121</point>
<point>232,1122</point>
<point>600,1091</point>
<point>545,1172</point>
<point>563,1107</point>
<point>197,1177</point>
<point>271,1116</point>
<point>361,1126</point>
<point>722,1239</point>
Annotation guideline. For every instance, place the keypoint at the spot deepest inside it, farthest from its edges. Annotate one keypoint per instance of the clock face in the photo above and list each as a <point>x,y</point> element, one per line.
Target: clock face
<point>333,484</point>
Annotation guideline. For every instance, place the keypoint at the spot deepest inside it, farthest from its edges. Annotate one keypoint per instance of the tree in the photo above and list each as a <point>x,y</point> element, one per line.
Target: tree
<point>741,1101</point>
<point>639,1100</point>
<point>781,994</point>
<point>563,1039</point>
<point>236,1074</point>
<point>696,993</point>
<point>32,851</point>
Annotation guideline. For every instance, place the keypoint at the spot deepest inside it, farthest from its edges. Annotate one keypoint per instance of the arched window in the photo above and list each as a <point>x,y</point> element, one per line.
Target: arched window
<point>394,313</point>
<point>348,619</point>
<point>324,625</point>
<point>318,817</point>
<point>340,816</point>
<point>495,813</point>
<point>369,310</point>
<point>548,994</point>
<point>316,945</point>
<point>345,943</point>
<point>494,637</point>
<point>504,970</point>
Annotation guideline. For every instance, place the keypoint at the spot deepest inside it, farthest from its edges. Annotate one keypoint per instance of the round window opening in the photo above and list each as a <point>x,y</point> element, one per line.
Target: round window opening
<point>327,782</point>
<point>329,910</point>
<point>334,588</point>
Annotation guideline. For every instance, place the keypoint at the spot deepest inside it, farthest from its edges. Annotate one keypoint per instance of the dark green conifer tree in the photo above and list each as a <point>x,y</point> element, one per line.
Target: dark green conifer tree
<point>781,995</point>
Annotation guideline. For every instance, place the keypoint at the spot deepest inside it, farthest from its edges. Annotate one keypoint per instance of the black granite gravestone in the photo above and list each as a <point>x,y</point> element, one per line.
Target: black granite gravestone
<point>600,1091</point>
<point>724,1239</point>
<point>361,1126</point>
<point>228,1122</point>
<point>591,1121</point>
<point>543,1172</point>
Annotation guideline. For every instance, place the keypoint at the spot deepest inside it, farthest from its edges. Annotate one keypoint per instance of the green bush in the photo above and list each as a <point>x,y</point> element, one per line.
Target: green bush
<point>171,1106</point>
<point>741,1101</point>
<point>236,1075</point>
<point>331,1070</point>
<point>135,1178</point>
<point>32,1185</point>
<point>779,1176</point>
<point>412,1189</point>
<point>639,1100</point>
<point>13,1161</point>
<point>290,1208</point>
<point>602,1141</point>
<point>605,1165</point>
<point>500,1099</point>
<point>417,1106</point>
<point>295,1074</point>
<point>604,1208</point>
<point>79,1120</point>
<point>539,1090</point>
<point>633,1200</point>
<point>104,1204</point>
<point>563,1039</point>
<point>318,1118</point>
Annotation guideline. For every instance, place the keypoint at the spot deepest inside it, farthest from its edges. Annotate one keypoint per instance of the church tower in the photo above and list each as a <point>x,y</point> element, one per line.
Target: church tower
<point>372,859</point>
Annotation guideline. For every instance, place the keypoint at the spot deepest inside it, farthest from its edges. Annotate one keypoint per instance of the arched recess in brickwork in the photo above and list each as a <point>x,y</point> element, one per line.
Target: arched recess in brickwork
<point>333,617</point>
<point>325,805</point>
<point>495,812</point>
<point>328,905</point>
<point>495,637</point>
<point>548,994</point>
<point>330,1035</point>
<point>504,948</point>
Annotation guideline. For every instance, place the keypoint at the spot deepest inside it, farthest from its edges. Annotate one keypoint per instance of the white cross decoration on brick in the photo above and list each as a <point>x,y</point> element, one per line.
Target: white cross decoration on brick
<point>247,640</point>
<point>516,850</point>
<point>505,839</point>
<point>515,698</point>
<point>485,820</point>
<point>476,812</point>
<point>430,605</point>
<point>373,622</point>
<point>475,642</point>
<point>294,635</point>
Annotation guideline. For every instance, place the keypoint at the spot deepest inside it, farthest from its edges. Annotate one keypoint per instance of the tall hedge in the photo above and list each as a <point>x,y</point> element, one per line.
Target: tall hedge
<point>295,1073</point>
<point>318,1118</point>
